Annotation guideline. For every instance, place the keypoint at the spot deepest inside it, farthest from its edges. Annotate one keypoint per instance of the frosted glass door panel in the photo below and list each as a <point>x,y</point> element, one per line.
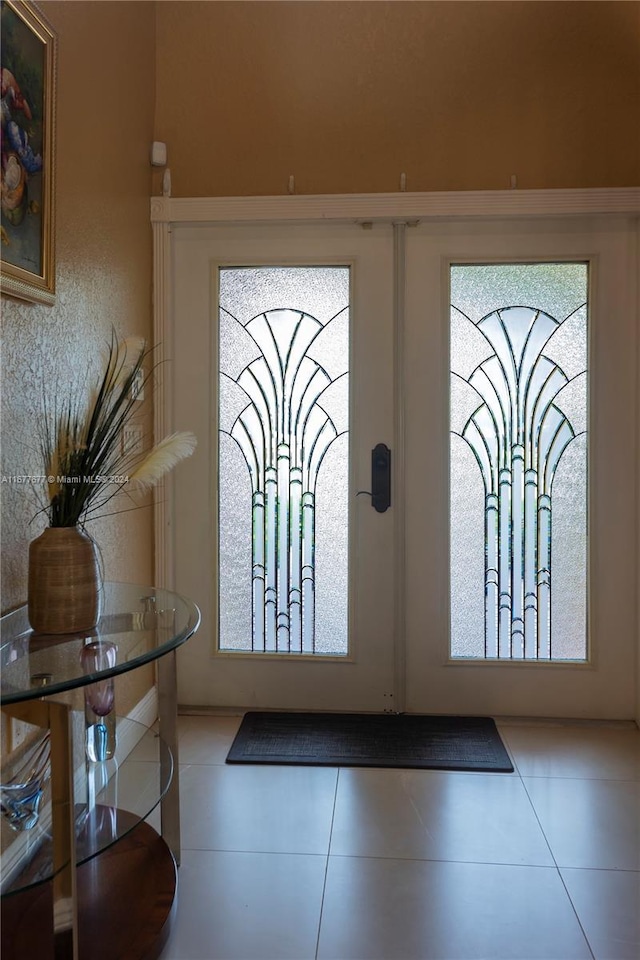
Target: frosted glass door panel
<point>283,459</point>
<point>518,484</point>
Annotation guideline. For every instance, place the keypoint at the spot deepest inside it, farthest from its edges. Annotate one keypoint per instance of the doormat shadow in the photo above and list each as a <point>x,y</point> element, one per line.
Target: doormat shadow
<point>370,740</point>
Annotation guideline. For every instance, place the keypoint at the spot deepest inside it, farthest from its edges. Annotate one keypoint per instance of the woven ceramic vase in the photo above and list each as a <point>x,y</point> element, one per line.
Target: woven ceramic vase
<point>64,581</point>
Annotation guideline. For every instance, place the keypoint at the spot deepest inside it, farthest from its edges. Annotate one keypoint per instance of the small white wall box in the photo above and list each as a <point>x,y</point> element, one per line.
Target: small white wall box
<point>158,154</point>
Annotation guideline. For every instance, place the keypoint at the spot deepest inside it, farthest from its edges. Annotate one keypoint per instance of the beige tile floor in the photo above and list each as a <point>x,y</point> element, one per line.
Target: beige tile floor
<point>298,863</point>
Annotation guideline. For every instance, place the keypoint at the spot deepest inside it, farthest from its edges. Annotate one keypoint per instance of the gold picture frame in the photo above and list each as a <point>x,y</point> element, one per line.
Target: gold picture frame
<point>28,146</point>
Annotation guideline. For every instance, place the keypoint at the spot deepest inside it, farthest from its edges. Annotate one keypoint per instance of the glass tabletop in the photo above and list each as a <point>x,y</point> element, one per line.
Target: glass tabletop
<point>141,623</point>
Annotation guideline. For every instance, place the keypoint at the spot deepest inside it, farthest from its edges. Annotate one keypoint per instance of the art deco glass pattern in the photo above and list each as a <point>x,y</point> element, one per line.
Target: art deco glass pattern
<point>283,459</point>
<point>519,461</point>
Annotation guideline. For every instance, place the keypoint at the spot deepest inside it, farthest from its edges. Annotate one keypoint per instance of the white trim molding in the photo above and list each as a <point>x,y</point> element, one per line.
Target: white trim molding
<point>162,414</point>
<point>397,206</point>
<point>398,472</point>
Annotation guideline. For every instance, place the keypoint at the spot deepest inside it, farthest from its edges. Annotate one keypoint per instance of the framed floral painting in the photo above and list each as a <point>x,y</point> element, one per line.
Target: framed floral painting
<point>28,58</point>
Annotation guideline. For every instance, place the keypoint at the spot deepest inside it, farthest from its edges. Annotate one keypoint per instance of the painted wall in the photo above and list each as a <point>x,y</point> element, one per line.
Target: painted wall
<point>103,251</point>
<point>105,106</point>
<point>347,95</point>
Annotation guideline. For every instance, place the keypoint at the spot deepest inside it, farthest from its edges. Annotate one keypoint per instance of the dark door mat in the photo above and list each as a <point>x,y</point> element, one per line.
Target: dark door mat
<point>370,740</point>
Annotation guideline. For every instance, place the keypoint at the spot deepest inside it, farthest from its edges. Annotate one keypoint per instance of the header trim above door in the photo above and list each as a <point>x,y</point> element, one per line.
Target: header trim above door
<point>373,207</point>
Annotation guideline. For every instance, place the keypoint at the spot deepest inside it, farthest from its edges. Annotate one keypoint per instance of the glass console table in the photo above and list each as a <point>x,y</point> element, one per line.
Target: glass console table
<point>93,864</point>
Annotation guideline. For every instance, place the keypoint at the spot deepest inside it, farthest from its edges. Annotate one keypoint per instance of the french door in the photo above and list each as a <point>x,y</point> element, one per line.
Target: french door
<point>294,357</point>
<point>282,344</point>
<point>570,285</point>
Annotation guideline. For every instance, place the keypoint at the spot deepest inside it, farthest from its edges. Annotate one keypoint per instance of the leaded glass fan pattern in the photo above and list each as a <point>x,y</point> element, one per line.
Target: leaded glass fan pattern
<point>519,461</point>
<point>283,459</point>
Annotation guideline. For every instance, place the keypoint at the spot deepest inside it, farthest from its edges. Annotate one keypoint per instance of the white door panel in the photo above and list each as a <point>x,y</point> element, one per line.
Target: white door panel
<point>603,686</point>
<point>363,679</point>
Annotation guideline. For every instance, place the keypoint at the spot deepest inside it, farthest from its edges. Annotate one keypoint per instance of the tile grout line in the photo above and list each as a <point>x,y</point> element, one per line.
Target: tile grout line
<point>546,840</point>
<point>584,932</point>
<point>472,863</point>
<point>510,751</point>
<point>559,872</point>
<point>326,869</point>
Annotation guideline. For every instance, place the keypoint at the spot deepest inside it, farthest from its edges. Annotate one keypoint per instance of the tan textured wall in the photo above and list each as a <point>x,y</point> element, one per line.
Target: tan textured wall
<point>347,95</point>
<point>105,105</point>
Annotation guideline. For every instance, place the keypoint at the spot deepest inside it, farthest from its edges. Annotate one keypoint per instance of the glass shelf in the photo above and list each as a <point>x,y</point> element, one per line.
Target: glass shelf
<point>118,795</point>
<point>144,623</point>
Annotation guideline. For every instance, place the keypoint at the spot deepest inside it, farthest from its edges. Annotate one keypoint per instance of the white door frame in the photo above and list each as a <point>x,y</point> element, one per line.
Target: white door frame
<point>400,209</point>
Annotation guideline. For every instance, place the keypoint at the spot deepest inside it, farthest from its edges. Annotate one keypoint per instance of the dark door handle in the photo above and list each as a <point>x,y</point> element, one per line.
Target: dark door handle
<point>381,477</point>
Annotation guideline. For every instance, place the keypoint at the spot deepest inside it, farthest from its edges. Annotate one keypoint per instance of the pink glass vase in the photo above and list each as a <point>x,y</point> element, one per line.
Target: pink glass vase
<point>99,698</point>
